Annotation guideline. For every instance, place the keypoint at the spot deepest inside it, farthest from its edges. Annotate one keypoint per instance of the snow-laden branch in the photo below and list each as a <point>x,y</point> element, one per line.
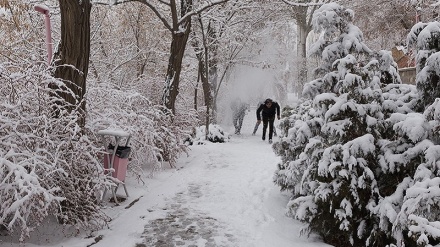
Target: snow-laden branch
<point>171,5</point>
<point>316,3</point>
<point>202,8</point>
<point>146,2</point>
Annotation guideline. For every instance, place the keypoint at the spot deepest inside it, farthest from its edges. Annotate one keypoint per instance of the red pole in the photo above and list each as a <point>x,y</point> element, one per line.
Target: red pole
<point>45,11</point>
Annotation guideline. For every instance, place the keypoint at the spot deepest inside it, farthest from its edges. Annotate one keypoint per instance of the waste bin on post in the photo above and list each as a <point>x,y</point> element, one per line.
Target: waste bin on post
<point>116,157</point>
<point>120,161</point>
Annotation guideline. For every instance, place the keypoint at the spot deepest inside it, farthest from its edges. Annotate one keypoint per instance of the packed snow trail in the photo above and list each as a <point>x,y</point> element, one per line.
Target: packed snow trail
<point>226,197</point>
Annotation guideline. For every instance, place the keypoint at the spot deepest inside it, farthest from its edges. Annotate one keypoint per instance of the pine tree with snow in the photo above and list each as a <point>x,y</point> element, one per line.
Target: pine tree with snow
<point>298,131</point>
<point>343,181</point>
<point>334,22</point>
<point>426,38</point>
<point>409,156</point>
<point>336,165</point>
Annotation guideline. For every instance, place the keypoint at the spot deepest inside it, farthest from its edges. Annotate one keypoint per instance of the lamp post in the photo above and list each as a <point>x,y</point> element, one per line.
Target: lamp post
<point>45,11</point>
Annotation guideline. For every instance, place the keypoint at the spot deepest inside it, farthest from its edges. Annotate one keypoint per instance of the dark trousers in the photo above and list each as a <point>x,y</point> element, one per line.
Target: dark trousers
<point>267,121</point>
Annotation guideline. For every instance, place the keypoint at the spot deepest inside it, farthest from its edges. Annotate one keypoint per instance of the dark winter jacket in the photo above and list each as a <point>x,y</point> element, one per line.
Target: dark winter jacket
<point>267,112</point>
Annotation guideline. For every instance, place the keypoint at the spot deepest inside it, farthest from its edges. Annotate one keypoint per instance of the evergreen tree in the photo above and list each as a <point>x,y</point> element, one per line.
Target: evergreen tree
<point>329,157</point>
<point>426,38</point>
<point>409,157</point>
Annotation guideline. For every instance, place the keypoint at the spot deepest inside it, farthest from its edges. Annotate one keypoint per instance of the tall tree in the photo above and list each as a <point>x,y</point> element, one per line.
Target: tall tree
<point>177,19</point>
<point>302,11</point>
<point>376,17</point>
<point>208,33</point>
<point>72,57</point>
<point>201,50</point>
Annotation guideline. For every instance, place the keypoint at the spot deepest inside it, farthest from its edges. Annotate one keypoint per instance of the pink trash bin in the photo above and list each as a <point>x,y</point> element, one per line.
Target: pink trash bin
<point>119,165</point>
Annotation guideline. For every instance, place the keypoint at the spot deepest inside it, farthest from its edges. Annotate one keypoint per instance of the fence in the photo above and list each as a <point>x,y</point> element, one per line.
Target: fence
<point>408,75</point>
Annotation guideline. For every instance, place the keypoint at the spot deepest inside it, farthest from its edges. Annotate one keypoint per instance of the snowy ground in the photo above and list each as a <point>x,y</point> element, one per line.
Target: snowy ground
<point>220,195</point>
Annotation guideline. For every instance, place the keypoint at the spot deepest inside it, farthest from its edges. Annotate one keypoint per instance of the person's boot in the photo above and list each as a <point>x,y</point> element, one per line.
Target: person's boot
<point>270,141</point>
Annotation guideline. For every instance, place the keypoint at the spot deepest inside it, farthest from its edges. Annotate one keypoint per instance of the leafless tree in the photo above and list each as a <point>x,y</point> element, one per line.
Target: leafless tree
<point>302,12</point>
<point>177,19</point>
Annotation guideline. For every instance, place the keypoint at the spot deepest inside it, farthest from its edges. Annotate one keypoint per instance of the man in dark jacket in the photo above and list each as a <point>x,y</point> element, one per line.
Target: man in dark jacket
<point>267,111</point>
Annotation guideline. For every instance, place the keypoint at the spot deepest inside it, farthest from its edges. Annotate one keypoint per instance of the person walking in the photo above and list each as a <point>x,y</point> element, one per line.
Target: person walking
<point>239,109</point>
<point>267,112</point>
<point>257,124</point>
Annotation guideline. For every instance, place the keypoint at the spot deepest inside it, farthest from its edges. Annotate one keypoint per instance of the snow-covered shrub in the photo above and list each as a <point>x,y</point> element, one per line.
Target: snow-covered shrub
<point>156,135</point>
<point>216,134</point>
<point>342,179</point>
<point>298,146</point>
<point>48,165</point>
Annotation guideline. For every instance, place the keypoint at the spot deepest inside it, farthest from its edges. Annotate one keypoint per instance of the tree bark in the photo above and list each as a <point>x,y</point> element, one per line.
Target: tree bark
<point>212,39</point>
<point>202,54</point>
<point>72,59</point>
<point>180,34</point>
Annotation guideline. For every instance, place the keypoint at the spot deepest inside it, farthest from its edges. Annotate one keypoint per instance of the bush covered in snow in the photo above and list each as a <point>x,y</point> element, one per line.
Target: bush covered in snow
<point>156,135</point>
<point>215,134</point>
<point>50,166</point>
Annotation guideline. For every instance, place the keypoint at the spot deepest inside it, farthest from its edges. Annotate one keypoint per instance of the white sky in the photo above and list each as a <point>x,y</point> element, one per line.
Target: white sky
<point>220,195</point>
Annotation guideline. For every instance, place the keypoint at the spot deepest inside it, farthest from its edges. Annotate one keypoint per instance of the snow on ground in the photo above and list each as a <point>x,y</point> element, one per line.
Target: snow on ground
<point>219,195</point>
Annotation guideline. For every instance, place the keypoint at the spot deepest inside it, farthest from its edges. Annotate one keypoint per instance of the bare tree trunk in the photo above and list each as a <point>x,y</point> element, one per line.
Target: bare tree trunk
<point>303,30</point>
<point>180,36</point>
<point>203,57</point>
<point>206,93</point>
<point>213,71</point>
<point>140,35</point>
<point>72,61</point>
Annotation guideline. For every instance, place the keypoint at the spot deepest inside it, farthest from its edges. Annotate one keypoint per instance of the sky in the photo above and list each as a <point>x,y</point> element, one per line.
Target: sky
<point>220,194</point>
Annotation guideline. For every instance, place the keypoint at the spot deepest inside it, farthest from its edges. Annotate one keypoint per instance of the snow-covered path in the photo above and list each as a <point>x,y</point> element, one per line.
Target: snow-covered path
<point>219,195</point>
<point>232,184</point>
